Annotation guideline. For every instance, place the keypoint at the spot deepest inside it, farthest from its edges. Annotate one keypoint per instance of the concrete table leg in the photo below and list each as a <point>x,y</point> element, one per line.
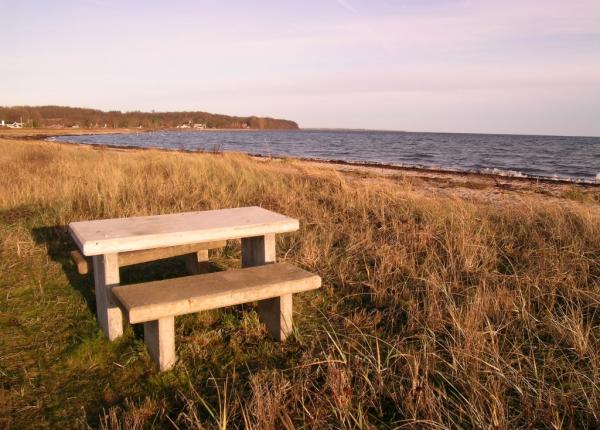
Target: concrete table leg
<point>106,276</point>
<point>276,313</point>
<point>159,337</point>
<point>197,262</point>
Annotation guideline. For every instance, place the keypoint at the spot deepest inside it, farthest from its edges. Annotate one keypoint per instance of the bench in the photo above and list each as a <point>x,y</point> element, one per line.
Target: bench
<point>196,256</point>
<point>155,304</point>
<point>107,240</point>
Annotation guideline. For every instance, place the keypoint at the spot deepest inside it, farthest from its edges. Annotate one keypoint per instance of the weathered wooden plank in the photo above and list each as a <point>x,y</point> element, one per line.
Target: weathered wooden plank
<point>179,296</point>
<point>132,234</point>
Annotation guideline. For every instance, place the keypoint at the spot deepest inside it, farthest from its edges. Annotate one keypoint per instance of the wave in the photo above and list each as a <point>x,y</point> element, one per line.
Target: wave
<point>501,172</point>
<point>492,172</point>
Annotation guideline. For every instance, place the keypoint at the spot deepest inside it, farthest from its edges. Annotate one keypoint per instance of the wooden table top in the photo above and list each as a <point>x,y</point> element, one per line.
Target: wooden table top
<point>108,236</point>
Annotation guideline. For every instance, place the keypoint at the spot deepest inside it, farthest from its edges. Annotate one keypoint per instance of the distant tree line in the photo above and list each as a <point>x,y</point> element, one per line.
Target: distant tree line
<point>62,116</point>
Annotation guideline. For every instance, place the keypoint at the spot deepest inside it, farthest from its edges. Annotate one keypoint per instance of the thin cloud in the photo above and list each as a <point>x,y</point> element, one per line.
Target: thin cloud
<point>347,6</point>
<point>100,3</point>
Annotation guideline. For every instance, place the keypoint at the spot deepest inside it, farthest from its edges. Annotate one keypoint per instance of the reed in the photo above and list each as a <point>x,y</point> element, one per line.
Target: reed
<point>436,311</point>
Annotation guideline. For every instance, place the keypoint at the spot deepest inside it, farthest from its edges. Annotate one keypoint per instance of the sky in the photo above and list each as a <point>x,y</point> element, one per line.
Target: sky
<point>510,66</point>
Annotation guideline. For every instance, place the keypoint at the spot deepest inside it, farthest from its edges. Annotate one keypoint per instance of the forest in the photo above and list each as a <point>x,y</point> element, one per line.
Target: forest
<point>62,116</point>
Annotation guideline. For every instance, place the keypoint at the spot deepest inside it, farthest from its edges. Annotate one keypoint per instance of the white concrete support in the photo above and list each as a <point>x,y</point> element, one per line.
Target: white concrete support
<point>106,276</point>
<point>197,263</point>
<point>258,250</point>
<point>276,313</point>
<point>159,337</point>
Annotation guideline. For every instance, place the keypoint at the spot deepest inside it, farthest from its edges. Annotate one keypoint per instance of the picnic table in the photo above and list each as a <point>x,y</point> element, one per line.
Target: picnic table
<point>105,239</point>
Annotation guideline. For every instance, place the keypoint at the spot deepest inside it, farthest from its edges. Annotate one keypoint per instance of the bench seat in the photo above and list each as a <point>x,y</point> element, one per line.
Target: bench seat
<point>157,303</point>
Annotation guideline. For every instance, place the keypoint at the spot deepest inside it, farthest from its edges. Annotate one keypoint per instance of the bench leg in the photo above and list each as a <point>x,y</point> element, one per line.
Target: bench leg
<point>83,267</point>
<point>159,337</point>
<point>276,313</point>
<point>106,276</point>
<point>197,262</point>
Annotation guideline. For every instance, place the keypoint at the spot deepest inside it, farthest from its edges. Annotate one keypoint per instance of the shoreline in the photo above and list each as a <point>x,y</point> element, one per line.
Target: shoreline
<point>382,169</point>
<point>359,164</point>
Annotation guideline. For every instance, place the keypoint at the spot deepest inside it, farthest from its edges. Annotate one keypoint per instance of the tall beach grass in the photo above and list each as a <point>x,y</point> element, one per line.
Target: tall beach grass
<point>436,312</point>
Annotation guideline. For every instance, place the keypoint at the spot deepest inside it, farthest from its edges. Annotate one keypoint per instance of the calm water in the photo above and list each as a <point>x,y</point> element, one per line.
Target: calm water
<point>574,158</point>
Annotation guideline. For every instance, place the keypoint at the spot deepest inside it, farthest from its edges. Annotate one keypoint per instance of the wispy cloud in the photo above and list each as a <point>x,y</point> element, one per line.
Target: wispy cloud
<point>100,3</point>
<point>346,5</point>
<point>417,64</point>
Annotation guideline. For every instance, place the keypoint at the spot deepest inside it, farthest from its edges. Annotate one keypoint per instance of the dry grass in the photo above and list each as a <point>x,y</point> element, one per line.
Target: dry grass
<point>435,312</point>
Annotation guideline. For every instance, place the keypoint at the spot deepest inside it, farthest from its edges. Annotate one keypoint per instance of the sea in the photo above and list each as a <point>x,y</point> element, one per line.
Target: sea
<point>568,158</point>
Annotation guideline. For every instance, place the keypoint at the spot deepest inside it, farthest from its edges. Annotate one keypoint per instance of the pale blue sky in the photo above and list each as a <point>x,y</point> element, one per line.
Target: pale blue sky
<point>431,65</point>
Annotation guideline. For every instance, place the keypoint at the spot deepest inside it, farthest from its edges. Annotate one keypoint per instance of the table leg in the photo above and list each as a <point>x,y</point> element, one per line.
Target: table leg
<point>106,276</point>
<point>197,262</point>
<point>276,313</point>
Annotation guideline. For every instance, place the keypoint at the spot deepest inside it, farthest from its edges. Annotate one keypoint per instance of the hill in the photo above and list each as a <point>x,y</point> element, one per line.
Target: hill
<point>63,116</point>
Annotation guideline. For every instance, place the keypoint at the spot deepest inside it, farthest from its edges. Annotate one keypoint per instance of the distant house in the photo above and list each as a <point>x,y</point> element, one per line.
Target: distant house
<point>14,124</point>
<point>183,126</point>
<point>2,123</point>
<point>200,126</point>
